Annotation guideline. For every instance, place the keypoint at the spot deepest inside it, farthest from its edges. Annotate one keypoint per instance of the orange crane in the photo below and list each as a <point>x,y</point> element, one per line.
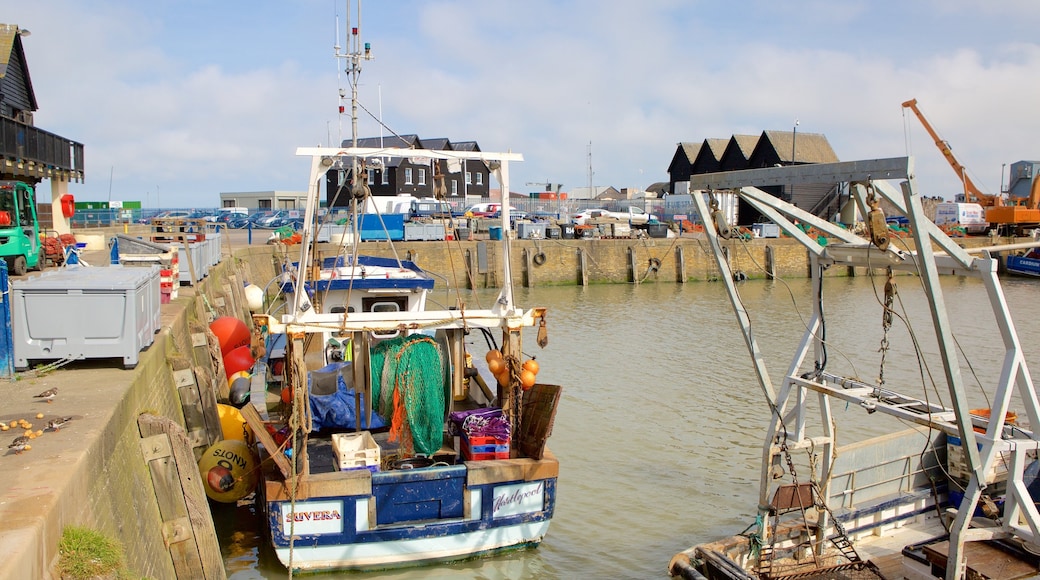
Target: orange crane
<point>1015,216</point>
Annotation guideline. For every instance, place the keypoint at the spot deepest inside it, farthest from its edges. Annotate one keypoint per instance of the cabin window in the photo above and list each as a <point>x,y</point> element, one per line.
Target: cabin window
<point>408,176</point>
<point>371,176</point>
<point>469,178</point>
<point>454,186</point>
<point>386,177</point>
<point>385,304</point>
<point>422,177</point>
<point>480,178</point>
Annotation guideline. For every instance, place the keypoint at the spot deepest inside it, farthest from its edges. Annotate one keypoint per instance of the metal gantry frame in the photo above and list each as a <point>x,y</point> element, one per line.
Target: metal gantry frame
<point>790,402</point>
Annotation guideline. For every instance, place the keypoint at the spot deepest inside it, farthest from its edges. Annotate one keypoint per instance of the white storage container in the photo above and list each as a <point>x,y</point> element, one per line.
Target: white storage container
<point>80,313</point>
<point>355,451</point>
<point>198,262</point>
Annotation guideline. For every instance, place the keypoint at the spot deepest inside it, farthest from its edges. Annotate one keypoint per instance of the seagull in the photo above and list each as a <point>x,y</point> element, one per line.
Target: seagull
<point>47,395</point>
<point>58,423</point>
<point>19,444</point>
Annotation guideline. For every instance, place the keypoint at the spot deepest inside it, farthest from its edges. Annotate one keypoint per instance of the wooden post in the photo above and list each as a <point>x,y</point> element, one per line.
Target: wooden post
<point>191,266</point>
<point>632,265</point>
<point>471,271</point>
<point>187,523</point>
<point>207,348</point>
<point>457,356</point>
<point>528,269</point>
<point>770,260</point>
<point>584,266</point>
<point>199,406</point>
<point>680,264</point>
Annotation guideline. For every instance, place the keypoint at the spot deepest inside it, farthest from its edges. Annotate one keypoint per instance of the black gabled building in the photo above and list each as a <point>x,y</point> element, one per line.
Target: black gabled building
<point>28,153</point>
<point>416,176</point>
<point>769,149</point>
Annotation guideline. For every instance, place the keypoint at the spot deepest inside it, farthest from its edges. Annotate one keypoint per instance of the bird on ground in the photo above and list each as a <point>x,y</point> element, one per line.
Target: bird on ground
<point>57,424</point>
<point>47,395</point>
<point>19,444</point>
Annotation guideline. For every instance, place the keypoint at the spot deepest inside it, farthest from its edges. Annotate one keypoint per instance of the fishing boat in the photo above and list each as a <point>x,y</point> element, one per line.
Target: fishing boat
<point>952,496</point>
<point>389,452</point>
<point>1027,264</point>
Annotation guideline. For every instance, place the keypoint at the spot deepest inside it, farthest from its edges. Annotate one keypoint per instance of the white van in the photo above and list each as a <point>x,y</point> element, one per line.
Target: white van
<point>969,216</point>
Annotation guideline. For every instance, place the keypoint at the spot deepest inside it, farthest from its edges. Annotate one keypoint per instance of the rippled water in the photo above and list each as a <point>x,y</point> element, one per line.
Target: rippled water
<point>660,426</point>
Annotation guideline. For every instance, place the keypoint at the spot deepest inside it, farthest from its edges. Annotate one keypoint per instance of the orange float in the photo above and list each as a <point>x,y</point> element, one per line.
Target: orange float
<point>237,360</point>
<point>231,333</point>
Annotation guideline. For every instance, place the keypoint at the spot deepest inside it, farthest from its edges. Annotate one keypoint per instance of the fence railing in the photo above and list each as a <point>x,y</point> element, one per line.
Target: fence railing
<point>26,143</point>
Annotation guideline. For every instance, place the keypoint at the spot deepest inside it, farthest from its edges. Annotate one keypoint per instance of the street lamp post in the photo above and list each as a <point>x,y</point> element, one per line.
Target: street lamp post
<point>794,151</point>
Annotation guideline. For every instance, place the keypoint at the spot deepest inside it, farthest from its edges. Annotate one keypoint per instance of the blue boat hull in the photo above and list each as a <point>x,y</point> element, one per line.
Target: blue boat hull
<point>413,517</point>
<point>1023,266</point>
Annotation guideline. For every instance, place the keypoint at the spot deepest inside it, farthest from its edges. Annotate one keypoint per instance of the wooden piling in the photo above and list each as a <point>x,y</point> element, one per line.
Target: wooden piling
<point>680,265</point>
<point>770,263</point>
<point>187,525</point>
<point>632,265</point>
<point>584,267</point>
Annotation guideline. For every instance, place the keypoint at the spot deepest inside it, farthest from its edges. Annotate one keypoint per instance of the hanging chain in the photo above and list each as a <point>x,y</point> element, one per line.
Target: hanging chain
<point>886,323</point>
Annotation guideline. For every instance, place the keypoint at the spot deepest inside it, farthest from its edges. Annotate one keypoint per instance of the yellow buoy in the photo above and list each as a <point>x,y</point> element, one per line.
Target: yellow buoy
<point>228,471</point>
<point>234,425</point>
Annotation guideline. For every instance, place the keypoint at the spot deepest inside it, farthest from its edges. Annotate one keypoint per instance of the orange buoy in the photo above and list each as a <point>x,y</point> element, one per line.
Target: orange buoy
<point>239,359</point>
<point>231,333</point>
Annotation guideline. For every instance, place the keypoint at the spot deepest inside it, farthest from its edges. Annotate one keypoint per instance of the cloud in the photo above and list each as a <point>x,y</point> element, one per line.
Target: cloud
<point>196,99</point>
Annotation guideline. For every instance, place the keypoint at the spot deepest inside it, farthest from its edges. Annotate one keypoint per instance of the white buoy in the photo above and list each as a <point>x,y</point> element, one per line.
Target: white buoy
<point>254,297</point>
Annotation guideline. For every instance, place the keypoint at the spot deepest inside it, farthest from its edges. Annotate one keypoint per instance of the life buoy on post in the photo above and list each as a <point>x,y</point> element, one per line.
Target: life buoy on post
<point>538,259</point>
<point>68,205</point>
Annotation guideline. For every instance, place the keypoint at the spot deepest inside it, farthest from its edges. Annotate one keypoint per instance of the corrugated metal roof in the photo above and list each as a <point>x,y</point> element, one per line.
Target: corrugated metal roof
<point>7,36</point>
<point>691,150</point>
<point>811,147</point>
<point>746,143</point>
<point>716,146</point>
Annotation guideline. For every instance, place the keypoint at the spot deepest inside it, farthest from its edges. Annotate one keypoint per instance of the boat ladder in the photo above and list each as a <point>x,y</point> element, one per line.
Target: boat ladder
<point>765,561</point>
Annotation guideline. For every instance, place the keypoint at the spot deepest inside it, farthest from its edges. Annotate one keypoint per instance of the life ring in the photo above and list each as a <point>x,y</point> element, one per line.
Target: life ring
<point>538,259</point>
<point>655,264</point>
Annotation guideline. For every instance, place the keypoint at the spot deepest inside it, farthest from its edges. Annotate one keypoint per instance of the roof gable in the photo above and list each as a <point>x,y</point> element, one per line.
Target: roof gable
<point>13,68</point>
<point>804,147</point>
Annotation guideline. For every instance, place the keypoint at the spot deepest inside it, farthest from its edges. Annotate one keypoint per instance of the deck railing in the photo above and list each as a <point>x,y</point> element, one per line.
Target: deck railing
<point>24,143</point>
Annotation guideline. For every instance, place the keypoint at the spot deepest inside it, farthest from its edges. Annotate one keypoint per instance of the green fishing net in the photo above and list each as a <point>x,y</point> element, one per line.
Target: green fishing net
<point>412,365</point>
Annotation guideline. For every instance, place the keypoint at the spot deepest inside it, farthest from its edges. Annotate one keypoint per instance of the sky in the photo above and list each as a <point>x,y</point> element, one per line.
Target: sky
<point>177,101</point>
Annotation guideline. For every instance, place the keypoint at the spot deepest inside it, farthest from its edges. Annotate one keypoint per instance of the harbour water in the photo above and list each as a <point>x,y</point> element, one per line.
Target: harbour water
<point>659,430</point>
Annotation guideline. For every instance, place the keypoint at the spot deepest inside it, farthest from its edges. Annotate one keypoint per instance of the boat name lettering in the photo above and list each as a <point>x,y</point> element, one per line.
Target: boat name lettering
<point>517,497</point>
<point>230,456</point>
<point>315,516</point>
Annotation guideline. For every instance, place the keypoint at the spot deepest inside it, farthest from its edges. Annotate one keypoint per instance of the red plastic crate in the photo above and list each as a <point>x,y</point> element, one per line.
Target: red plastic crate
<point>483,448</point>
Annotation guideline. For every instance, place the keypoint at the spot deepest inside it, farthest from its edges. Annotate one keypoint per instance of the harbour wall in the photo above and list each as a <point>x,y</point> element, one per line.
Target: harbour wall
<point>101,472</point>
<point>553,262</point>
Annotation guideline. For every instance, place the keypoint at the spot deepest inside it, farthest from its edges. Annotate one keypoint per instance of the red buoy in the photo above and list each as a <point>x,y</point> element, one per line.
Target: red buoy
<point>239,359</point>
<point>231,333</point>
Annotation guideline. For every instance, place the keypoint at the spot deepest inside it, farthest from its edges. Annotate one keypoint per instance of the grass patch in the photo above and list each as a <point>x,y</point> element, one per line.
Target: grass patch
<point>86,553</point>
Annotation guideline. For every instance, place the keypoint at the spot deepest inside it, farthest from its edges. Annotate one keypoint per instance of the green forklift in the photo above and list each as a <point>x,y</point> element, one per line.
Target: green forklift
<point>20,243</point>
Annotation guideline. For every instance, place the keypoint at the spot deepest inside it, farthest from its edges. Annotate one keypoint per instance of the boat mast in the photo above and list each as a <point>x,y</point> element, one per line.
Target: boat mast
<point>356,52</point>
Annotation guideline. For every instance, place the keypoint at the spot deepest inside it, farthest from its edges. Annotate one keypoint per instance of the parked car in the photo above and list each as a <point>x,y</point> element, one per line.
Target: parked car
<point>486,209</point>
<point>270,220</point>
<point>584,216</point>
<point>247,221</point>
<point>633,215</point>
<point>514,214</point>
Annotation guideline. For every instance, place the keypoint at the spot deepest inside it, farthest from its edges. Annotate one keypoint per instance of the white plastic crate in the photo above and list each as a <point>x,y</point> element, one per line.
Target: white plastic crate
<point>957,463</point>
<point>356,451</point>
